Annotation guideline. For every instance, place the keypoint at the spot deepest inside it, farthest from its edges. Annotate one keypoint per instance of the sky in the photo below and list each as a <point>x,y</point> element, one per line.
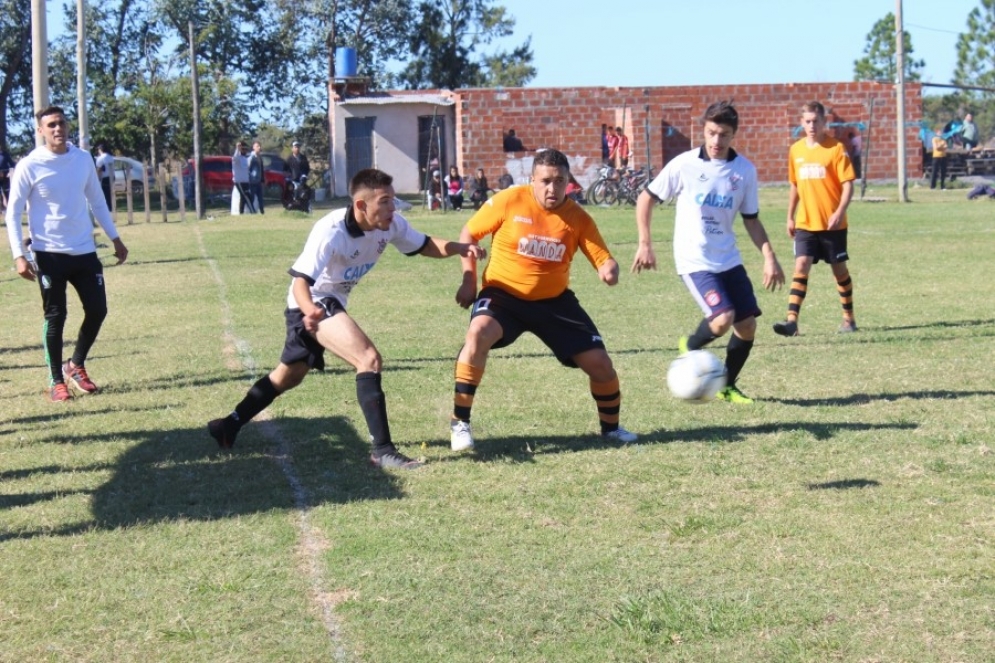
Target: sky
<point>714,42</point>
<point>718,42</point>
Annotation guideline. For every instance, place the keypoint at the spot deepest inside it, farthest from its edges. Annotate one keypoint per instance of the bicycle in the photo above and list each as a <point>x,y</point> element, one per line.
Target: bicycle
<point>604,191</point>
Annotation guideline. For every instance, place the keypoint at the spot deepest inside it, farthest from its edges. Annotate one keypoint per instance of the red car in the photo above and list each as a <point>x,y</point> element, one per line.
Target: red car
<point>218,177</point>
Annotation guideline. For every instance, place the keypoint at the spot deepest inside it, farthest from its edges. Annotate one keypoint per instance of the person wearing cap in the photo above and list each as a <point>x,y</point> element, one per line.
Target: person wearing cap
<point>435,199</point>
<point>296,166</point>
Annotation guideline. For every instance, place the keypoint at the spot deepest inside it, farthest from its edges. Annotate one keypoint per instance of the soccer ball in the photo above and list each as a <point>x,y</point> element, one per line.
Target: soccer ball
<point>696,376</point>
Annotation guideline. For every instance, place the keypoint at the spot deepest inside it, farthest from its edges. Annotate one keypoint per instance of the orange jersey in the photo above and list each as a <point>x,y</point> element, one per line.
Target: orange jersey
<point>819,173</point>
<point>532,248</point>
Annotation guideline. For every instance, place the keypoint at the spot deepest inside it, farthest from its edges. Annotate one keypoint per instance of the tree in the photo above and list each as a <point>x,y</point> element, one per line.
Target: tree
<point>976,66</point>
<point>15,69</point>
<point>976,48</point>
<point>446,44</point>
<point>879,61</point>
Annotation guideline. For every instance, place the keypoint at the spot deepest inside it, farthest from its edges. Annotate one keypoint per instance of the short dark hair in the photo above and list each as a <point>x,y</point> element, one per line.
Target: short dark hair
<point>722,112</point>
<point>814,107</point>
<point>50,110</point>
<point>102,147</point>
<point>551,157</point>
<point>369,178</point>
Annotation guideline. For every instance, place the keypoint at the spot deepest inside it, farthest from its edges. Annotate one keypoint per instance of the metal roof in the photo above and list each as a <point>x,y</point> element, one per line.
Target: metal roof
<point>385,100</point>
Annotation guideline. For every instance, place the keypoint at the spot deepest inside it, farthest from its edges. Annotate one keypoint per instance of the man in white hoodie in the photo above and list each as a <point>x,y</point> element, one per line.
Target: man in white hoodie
<point>57,184</point>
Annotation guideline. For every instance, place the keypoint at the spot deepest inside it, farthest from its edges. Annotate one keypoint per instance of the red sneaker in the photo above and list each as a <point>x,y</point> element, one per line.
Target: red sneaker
<point>59,393</point>
<point>77,377</point>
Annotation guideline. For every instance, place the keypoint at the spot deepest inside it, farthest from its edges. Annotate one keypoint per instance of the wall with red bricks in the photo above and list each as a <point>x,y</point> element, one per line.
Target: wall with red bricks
<point>663,121</point>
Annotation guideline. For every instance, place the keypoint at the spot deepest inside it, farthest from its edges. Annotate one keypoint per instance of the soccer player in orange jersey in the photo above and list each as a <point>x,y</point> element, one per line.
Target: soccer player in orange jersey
<point>821,177</point>
<point>536,232</point>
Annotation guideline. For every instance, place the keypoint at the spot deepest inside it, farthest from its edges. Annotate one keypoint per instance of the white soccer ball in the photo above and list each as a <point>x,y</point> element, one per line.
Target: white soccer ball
<point>696,376</point>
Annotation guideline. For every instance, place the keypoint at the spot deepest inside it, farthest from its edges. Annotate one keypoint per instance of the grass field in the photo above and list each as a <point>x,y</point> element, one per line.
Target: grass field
<point>846,516</point>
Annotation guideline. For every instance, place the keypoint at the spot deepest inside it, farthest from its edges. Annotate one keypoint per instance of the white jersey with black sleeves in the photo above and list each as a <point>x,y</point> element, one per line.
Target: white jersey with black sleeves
<point>338,254</point>
<point>709,193</point>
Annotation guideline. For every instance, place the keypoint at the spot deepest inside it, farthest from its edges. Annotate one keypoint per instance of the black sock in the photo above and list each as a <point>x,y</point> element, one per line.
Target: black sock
<point>374,405</point>
<point>701,337</point>
<point>736,355</point>
<point>260,395</point>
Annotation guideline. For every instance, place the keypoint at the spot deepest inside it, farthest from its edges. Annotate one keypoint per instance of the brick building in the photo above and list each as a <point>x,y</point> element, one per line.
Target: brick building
<point>659,121</point>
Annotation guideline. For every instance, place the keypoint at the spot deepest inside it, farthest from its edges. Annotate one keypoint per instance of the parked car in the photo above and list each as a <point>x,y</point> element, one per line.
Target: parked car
<point>218,177</point>
<point>129,170</point>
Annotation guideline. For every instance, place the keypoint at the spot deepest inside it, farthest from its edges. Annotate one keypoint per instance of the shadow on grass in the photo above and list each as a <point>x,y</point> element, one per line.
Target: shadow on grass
<point>844,484</point>
<point>179,474</point>
<point>522,448</point>
<point>858,399</point>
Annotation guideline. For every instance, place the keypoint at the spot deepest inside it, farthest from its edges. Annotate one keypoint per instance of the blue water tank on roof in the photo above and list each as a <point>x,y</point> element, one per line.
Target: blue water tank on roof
<point>345,62</point>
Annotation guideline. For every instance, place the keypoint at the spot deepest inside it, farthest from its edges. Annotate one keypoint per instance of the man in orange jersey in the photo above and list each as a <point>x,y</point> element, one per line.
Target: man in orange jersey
<point>536,232</point>
<point>821,177</point>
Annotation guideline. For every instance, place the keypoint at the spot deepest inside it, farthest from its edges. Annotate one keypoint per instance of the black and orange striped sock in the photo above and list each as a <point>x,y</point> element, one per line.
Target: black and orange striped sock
<point>845,287</point>
<point>608,398</point>
<point>467,379</point>
<point>799,288</point>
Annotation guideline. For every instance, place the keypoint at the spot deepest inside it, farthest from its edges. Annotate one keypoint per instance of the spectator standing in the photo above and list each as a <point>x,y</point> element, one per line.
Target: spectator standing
<point>612,140</point>
<point>604,143</point>
<point>969,132</point>
<point>856,148</point>
<point>341,248</point>
<point>296,167</point>
<point>622,148</point>
<point>454,188</point>
<point>105,170</point>
<point>57,184</point>
<point>240,174</point>
<point>256,175</point>
<point>939,167</point>
<point>479,195</point>
<point>821,178</point>
<point>6,166</point>
<point>506,180</point>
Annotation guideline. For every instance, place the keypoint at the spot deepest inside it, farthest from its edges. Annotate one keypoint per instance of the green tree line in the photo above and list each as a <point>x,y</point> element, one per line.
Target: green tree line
<point>264,66</point>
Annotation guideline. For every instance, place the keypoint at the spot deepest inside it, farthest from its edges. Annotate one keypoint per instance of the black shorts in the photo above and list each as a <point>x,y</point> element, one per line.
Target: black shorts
<point>559,322</point>
<point>301,345</point>
<point>826,245</point>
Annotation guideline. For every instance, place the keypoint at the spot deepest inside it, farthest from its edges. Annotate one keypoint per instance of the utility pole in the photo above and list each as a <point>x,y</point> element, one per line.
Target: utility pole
<point>197,159</point>
<point>84,123</point>
<point>39,59</point>
<point>900,101</point>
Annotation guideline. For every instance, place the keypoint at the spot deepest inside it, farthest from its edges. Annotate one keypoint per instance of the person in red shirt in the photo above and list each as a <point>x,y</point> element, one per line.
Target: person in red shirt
<point>622,147</point>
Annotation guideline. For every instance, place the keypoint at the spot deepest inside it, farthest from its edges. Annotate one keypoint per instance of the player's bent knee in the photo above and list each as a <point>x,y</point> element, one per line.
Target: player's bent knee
<point>721,323</point>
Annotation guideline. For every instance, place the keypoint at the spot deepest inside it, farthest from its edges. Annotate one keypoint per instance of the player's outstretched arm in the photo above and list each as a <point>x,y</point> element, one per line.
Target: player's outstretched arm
<point>645,257</point>
<point>440,248</point>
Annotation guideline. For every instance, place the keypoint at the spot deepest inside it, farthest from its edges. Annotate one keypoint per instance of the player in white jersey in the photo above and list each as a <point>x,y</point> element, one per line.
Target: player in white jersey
<point>712,184</point>
<point>58,186</point>
<point>342,248</point>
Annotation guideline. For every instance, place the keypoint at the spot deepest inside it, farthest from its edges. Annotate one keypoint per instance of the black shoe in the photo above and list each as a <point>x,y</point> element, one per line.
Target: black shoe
<point>395,460</point>
<point>224,431</point>
<point>787,328</point>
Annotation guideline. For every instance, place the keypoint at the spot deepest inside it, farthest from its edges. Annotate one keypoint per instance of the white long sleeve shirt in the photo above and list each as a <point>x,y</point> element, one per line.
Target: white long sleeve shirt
<point>58,191</point>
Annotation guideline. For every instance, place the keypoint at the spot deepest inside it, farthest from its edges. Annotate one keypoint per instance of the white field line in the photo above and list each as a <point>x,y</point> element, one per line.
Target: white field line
<point>311,541</point>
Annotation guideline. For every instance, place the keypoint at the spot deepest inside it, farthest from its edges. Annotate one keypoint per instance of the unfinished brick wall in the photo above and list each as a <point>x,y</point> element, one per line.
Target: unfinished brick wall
<point>663,121</point>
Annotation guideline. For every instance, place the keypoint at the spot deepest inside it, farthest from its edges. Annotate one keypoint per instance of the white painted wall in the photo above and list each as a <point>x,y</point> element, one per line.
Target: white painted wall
<point>395,141</point>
